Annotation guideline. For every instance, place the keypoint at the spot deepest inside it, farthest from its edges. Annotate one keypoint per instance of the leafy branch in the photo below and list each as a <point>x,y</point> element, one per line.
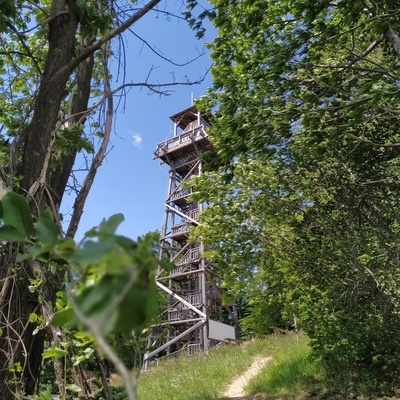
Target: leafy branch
<point>110,275</point>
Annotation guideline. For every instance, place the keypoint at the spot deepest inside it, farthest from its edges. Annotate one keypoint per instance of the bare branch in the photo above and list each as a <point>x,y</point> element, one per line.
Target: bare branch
<point>163,57</point>
<point>100,155</point>
<point>370,142</point>
<point>357,68</point>
<point>367,51</point>
<point>155,87</point>
<point>110,35</point>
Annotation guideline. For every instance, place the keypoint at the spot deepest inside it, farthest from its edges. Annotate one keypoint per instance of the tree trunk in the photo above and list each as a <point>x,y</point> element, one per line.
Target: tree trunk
<point>21,351</point>
<point>77,115</point>
<point>38,136</point>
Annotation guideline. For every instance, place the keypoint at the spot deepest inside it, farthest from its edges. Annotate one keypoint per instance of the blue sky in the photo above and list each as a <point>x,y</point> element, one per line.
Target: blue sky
<point>130,181</point>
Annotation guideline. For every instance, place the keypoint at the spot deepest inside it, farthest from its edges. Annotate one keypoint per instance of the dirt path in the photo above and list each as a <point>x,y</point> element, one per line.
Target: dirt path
<point>235,388</point>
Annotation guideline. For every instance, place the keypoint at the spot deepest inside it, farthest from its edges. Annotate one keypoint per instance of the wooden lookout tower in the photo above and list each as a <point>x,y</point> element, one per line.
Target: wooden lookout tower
<point>195,317</point>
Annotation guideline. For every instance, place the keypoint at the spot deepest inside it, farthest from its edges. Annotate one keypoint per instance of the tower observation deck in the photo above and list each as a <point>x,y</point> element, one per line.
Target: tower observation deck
<point>195,316</point>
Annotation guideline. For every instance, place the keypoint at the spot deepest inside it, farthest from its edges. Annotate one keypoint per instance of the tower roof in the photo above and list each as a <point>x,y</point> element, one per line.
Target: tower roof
<point>185,117</point>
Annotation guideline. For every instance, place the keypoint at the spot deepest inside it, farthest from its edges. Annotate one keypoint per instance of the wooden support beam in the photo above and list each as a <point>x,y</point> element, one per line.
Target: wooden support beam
<point>182,300</point>
<point>147,356</point>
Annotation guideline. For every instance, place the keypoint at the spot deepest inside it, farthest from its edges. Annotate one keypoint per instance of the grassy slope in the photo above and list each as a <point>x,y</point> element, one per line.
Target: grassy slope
<point>205,376</point>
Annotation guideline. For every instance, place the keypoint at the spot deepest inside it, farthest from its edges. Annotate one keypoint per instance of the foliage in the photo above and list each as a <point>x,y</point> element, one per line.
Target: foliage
<point>114,392</point>
<point>131,349</point>
<point>112,276</point>
<point>304,190</point>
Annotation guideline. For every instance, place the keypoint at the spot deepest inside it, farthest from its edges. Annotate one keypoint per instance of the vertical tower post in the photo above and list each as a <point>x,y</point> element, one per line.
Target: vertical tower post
<point>193,316</point>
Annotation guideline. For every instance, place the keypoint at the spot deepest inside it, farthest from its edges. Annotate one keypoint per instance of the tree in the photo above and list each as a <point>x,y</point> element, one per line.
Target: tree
<point>305,189</point>
<point>111,276</point>
<point>55,61</point>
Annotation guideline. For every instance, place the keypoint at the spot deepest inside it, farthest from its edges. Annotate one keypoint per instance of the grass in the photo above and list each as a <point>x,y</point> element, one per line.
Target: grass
<point>204,376</point>
<point>198,377</point>
<point>291,374</point>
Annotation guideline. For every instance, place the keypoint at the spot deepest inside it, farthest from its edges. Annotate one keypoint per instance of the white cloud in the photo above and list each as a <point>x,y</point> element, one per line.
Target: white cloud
<point>137,140</point>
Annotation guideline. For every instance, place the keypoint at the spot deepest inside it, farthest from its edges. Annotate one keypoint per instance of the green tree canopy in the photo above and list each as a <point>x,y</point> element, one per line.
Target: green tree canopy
<point>305,190</point>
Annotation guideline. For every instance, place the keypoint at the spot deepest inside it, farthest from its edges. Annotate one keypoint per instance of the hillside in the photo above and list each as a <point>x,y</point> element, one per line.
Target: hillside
<point>268,368</point>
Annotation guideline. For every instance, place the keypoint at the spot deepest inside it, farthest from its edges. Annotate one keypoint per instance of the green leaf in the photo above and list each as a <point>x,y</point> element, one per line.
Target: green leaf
<point>15,367</point>
<point>63,317</point>
<point>141,304</point>
<point>109,226</point>
<point>8,9</point>
<point>139,301</point>
<point>16,213</point>
<point>33,251</point>
<point>10,233</point>
<point>36,330</point>
<point>92,252</point>
<point>47,231</point>
<point>95,303</point>
<point>65,249</point>
<point>33,317</point>
<point>73,388</point>
<point>54,352</point>
<point>46,396</point>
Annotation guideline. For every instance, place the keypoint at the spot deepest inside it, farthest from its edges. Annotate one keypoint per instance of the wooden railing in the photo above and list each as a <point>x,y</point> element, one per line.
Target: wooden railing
<point>180,270</point>
<point>177,315</point>
<point>194,348</point>
<point>195,299</point>
<point>193,214</point>
<point>181,314</point>
<point>181,193</point>
<point>191,126</point>
<point>179,228</point>
<point>186,159</point>
<point>180,140</point>
<point>191,256</point>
